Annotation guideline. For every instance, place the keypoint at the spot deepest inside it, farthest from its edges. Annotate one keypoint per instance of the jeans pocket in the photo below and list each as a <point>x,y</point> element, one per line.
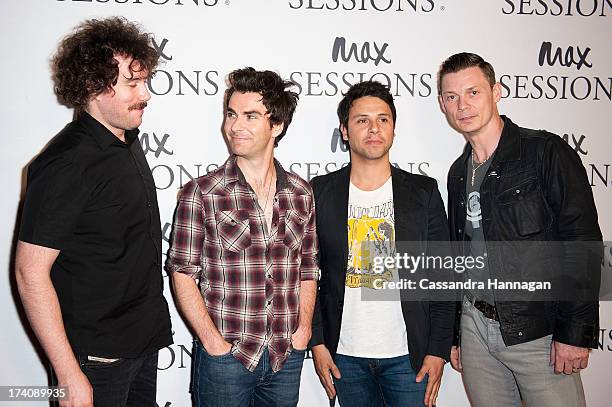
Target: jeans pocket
<point>93,362</point>
<point>298,350</point>
<point>298,355</point>
<point>225,355</point>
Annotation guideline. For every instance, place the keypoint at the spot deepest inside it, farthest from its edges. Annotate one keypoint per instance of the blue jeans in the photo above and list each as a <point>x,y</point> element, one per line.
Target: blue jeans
<point>378,382</point>
<point>222,381</point>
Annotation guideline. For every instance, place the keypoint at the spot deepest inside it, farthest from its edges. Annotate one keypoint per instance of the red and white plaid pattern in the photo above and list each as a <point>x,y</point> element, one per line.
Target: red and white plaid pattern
<point>250,280</point>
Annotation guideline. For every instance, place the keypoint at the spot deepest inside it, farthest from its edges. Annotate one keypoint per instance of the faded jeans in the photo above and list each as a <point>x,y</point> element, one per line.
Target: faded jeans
<point>498,375</point>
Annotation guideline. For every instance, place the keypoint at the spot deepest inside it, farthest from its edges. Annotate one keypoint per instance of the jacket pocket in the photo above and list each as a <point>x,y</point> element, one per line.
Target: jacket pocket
<point>522,207</point>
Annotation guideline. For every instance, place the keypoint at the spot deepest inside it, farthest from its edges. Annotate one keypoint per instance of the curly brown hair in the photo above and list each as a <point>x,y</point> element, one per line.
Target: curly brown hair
<point>84,65</point>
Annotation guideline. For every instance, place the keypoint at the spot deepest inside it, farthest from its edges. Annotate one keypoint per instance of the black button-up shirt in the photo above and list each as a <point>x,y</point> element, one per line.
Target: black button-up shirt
<point>92,197</point>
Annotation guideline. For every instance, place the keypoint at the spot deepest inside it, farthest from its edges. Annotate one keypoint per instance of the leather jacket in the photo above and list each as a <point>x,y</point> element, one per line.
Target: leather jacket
<point>536,189</point>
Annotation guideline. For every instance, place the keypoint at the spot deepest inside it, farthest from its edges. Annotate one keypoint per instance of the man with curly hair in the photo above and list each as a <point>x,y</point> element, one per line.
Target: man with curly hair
<point>88,263</point>
<point>247,232</point>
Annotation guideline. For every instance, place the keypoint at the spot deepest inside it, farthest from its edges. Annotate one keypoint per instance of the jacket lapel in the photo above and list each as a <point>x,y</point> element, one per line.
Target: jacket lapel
<point>339,220</point>
<point>405,208</point>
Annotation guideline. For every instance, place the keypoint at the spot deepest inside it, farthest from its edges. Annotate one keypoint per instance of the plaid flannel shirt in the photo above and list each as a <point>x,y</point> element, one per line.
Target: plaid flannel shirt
<point>249,277</point>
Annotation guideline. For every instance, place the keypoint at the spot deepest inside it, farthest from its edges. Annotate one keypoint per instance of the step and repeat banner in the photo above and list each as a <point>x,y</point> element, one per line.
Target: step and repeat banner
<point>552,57</point>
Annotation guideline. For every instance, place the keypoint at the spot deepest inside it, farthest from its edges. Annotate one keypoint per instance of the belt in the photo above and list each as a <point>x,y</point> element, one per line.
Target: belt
<point>488,310</point>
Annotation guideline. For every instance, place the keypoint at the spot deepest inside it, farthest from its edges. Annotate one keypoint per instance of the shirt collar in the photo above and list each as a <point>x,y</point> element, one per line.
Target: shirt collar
<point>103,136</point>
<point>233,174</point>
<point>508,147</point>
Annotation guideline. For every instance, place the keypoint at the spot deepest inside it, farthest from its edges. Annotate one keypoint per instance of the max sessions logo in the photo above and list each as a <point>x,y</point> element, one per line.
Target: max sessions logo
<point>373,54</point>
<point>565,86</point>
<point>598,173</point>
<point>207,3</point>
<point>209,82</point>
<point>399,6</point>
<point>180,82</point>
<point>555,8</point>
<point>175,176</point>
<point>157,145</point>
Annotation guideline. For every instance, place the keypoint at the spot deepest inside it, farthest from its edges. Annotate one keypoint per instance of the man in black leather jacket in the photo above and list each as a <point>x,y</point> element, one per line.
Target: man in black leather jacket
<point>512,190</point>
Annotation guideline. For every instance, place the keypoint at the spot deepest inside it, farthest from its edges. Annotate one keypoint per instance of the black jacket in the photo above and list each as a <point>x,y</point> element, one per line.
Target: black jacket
<point>419,216</point>
<point>535,190</point>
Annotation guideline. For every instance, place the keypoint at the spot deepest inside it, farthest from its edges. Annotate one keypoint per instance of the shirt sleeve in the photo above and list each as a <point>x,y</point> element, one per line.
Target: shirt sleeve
<point>309,269</point>
<point>185,252</point>
<point>55,197</point>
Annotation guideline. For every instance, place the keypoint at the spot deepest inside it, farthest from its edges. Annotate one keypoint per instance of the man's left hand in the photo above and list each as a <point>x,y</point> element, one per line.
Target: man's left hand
<point>300,338</point>
<point>568,359</point>
<point>433,367</point>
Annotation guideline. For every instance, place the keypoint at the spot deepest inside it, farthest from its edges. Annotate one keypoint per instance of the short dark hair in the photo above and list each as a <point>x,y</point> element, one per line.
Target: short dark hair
<point>84,65</point>
<point>275,96</point>
<point>362,89</point>
<point>464,60</point>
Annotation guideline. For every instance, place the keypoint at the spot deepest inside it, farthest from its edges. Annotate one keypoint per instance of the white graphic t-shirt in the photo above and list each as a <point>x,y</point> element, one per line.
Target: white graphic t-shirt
<point>371,329</point>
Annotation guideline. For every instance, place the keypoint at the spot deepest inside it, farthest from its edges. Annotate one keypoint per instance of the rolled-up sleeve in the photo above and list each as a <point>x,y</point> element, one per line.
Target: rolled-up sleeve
<point>185,254</point>
<point>309,269</point>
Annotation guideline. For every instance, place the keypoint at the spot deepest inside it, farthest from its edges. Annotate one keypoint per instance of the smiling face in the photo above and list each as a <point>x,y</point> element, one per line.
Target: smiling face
<point>121,107</point>
<point>370,129</point>
<point>469,101</point>
<point>247,126</point>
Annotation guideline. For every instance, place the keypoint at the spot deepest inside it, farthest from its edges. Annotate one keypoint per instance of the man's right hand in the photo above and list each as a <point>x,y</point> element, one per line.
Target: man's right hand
<point>80,392</point>
<point>455,358</point>
<point>217,347</point>
<point>325,367</point>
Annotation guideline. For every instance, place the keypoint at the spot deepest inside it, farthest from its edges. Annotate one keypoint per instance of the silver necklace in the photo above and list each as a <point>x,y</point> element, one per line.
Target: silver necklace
<point>476,167</point>
<point>268,193</point>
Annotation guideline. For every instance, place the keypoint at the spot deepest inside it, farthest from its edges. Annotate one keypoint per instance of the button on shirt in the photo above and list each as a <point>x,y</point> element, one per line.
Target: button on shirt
<point>249,277</point>
<point>92,197</point>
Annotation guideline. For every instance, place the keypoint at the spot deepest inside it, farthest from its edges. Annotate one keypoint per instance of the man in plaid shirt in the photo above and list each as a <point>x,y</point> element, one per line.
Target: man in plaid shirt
<point>247,232</point>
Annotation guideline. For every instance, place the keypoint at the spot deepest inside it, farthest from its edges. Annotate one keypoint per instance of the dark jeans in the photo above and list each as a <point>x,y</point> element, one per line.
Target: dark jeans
<point>222,381</point>
<point>125,382</point>
<point>378,382</point>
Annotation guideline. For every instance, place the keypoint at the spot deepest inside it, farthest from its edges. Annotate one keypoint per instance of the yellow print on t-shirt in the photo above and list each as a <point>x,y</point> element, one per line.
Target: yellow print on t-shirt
<point>368,238</point>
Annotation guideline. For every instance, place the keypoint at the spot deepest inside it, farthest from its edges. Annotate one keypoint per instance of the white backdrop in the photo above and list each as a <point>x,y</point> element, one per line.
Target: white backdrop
<point>399,41</point>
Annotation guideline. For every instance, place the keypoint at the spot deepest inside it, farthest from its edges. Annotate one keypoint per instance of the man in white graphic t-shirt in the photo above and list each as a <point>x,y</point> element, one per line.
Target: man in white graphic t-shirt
<point>367,352</point>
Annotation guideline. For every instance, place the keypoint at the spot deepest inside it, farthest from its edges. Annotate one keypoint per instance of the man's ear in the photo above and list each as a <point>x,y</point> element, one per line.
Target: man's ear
<point>497,92</point>
<point>441,103</point>
<point>344,132</point>
<point>277,129</point>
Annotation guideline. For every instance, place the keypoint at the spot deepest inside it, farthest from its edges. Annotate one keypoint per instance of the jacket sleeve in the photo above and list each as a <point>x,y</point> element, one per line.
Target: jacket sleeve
<point>455,251</point>
<point>568,193</point>
<point>317,321</point>
<point>317,327</point>
<point>442,313</point>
